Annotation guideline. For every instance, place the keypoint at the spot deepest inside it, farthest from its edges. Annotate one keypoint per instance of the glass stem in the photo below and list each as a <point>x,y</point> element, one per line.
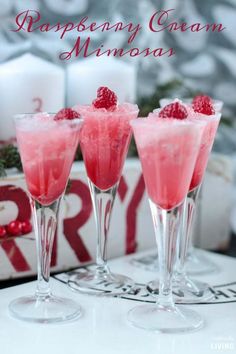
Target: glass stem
<point>102,205</point>
<point>166,224</point>
<point>45,223</point>
<point>196,199</point>
<point>185,237</point>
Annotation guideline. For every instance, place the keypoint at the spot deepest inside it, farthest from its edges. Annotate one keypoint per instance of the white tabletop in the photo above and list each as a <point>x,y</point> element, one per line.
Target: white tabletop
<point>104,327</point>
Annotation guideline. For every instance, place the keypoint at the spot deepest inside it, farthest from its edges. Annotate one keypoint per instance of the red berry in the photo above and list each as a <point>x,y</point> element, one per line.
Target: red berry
<point>203,104</point>
<point>174,110</point>
<point>66,113</point>
<point>200,98</point>
<point>105,99</point>
<point>3,231</point>
<point>14,228</point>
<point>26,227</point>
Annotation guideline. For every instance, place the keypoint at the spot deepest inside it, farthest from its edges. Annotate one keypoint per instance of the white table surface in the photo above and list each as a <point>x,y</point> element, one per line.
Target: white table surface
<point>103,328</point>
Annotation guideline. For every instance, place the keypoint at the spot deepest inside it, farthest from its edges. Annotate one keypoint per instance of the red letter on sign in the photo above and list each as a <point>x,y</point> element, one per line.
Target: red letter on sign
<point>131,216</point>
<point>19,197</point>
<point>72,225</point>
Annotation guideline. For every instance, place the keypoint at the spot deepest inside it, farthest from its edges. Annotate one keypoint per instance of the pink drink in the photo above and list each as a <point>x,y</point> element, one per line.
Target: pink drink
<point>47,149</point>
<point>105,140</point>
<point>207,141</point>
<point>168,150</point>
<point>208,136</point>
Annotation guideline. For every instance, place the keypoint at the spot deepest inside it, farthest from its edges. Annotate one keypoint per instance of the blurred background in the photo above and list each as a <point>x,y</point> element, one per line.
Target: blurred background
<point>204,61</point>
<point>31,71</point>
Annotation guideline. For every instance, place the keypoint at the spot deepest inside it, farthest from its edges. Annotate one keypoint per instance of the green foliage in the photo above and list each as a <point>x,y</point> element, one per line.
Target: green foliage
<point>170,89</point>
<point>68,186</point>
<point>2,169</point>
<point>9,158</point>
<point>78,155</point>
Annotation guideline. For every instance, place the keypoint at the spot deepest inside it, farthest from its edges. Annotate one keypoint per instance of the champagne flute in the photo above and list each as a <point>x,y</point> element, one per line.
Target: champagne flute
<point>197,263</point>
<point>168,150</point>
<point>189,290</point>
<point>47,147</point>
<point>104,144</point>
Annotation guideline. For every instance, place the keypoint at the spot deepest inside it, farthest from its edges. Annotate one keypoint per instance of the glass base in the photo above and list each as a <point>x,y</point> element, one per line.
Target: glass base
<point>149,263</point>
<point>100,283</point>
<point>185,291</point>
<point>165,319</point>
<point>198,264</point>
<point>50,309</point>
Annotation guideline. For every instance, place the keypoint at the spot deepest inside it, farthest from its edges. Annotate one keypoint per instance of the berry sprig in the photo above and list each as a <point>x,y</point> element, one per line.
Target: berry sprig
<point>15,228</point>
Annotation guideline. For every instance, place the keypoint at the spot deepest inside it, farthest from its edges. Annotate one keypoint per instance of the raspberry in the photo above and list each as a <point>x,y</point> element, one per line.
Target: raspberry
<point>66,113</point>
<point>203,104</point>
<point>174,110</point>
<point>105,99</point>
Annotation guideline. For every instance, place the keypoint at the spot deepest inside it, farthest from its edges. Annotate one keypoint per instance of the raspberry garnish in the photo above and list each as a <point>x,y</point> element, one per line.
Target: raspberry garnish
<point>174,110</point>
<point>203,104</point>
<point>66,113</point>
<point>105,99</point>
